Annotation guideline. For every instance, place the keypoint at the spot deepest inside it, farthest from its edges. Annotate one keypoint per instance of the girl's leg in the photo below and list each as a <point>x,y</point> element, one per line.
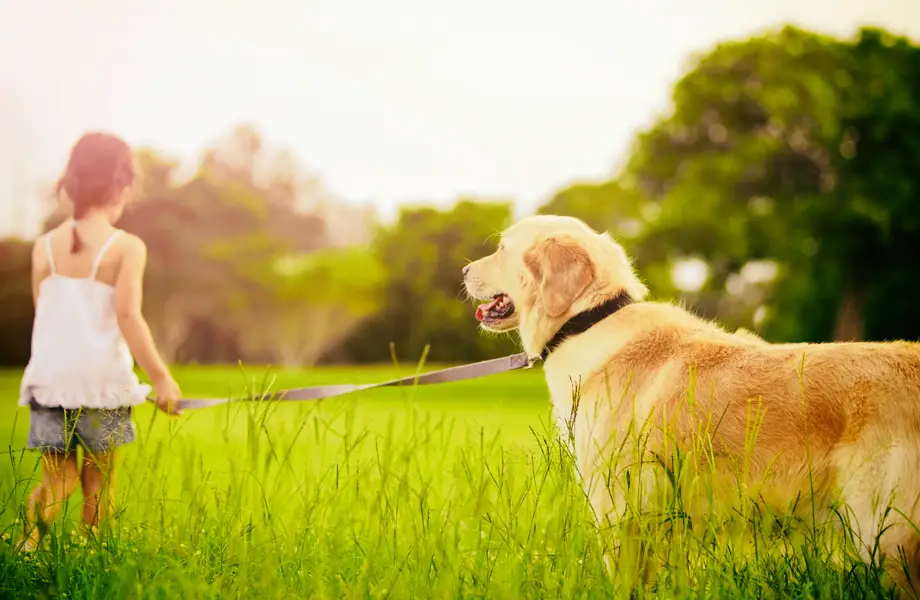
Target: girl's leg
<point>59,479</point>
<point>98,480</point>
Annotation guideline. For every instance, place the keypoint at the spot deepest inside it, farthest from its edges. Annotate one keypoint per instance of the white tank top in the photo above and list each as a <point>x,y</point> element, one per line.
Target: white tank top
<point>79,356</point>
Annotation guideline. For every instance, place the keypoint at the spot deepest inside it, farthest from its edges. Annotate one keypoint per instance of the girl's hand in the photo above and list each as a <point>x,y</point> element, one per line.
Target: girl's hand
<point>167,394</point>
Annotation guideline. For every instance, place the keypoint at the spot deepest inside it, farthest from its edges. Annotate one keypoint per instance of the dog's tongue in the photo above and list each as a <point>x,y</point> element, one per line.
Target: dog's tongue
<point>484,307</point>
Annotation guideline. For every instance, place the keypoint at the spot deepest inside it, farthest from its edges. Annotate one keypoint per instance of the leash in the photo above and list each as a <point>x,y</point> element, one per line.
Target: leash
<point>574,326</point>
<point>319,392</point>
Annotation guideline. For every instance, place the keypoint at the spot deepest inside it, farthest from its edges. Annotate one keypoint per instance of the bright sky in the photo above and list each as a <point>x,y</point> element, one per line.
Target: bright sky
<point>389,101</point>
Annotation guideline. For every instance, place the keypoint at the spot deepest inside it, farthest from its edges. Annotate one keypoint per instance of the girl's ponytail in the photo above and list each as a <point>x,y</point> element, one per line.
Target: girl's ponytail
<point>76,244</point>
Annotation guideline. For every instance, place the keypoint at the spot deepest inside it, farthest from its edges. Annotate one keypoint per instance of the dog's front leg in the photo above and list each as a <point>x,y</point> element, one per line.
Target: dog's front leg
<point>620,489</point>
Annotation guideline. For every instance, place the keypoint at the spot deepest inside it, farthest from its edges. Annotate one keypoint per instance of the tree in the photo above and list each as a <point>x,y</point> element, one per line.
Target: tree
<point>317,299</point>
<point>606,206</point>
<point>424,252</point>
<point>765,157</point>
<point>880,175</point>
<point>16,310</point>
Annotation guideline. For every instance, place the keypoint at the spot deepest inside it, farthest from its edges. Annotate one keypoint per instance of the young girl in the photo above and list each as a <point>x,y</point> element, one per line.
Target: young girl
<point>87,282</point>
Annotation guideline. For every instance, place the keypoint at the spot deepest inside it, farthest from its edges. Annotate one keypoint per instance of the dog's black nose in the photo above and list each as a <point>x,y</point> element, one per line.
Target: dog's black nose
<point>465,269</point>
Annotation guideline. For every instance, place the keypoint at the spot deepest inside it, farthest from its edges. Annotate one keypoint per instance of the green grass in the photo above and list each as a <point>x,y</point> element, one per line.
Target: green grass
<point>449,491</point>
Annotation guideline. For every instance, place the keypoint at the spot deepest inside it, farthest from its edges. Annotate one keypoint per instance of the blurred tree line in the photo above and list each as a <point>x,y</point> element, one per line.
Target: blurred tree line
<point>785,180</point>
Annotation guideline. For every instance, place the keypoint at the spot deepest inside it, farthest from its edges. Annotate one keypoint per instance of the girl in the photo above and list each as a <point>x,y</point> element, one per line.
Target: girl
<point>87,283</point>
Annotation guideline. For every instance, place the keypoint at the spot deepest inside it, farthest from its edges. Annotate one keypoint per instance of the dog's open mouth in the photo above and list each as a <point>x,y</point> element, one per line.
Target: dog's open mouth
<point>501,307</point>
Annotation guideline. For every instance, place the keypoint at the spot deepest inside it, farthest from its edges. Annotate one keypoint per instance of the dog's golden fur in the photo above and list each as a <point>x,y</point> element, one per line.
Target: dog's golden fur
<point>837,421</point>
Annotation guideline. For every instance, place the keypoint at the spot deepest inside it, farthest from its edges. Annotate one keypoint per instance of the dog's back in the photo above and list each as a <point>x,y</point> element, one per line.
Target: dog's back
<point>837,421</point>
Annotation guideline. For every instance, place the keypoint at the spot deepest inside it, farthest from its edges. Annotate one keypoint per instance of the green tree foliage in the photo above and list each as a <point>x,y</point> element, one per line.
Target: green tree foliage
<point>424,252</point>
<point>16,312</point>
<point>318,299</point>
<point>800,149</point>
<point>881,150</point>
<point>605,206</point>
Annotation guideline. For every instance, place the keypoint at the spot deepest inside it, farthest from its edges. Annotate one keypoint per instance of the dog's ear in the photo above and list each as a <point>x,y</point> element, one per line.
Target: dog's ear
<point>563,269</point>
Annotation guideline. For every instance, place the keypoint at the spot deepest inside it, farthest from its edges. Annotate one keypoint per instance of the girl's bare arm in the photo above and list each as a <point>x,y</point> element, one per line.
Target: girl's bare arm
<point>129,293</point>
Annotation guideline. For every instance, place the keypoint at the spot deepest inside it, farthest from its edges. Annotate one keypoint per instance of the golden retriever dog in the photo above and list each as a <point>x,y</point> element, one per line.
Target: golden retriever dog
<point>791,424</point>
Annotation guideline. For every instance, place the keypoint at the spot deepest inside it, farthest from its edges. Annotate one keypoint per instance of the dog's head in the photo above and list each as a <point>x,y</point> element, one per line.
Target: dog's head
<point>546,269</point>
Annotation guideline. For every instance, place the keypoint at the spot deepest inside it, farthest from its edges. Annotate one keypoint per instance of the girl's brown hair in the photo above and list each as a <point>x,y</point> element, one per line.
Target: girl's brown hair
<point>101,166</point>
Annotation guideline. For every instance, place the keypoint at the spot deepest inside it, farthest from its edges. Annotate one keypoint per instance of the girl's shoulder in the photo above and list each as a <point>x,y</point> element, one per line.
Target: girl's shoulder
<point>48,240</point>
<point>131,242</point>
<point>122,252</point>
<point>120,241</point>
<point>132,249</point>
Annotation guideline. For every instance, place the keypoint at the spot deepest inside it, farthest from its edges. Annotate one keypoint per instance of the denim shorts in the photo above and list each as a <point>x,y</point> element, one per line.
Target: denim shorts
<point>63,429</point>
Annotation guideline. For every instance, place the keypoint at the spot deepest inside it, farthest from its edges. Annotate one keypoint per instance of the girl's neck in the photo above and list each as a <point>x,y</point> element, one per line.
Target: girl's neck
<point>94,219</point>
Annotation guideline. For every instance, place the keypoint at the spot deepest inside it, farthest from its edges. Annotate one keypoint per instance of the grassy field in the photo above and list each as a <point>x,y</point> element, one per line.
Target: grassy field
<point>447,491</point>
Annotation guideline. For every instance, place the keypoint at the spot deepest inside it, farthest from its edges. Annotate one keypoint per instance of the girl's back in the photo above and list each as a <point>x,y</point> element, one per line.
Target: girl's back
<point>79,355</point>
<point>79,265</point>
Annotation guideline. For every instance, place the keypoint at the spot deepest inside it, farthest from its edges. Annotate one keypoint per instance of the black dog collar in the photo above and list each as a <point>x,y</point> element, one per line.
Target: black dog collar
<point>584,321</point>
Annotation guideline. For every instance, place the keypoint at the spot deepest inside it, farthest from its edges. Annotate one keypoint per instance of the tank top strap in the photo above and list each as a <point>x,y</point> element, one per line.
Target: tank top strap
<point>50,254</point>
<point>105,248</point>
